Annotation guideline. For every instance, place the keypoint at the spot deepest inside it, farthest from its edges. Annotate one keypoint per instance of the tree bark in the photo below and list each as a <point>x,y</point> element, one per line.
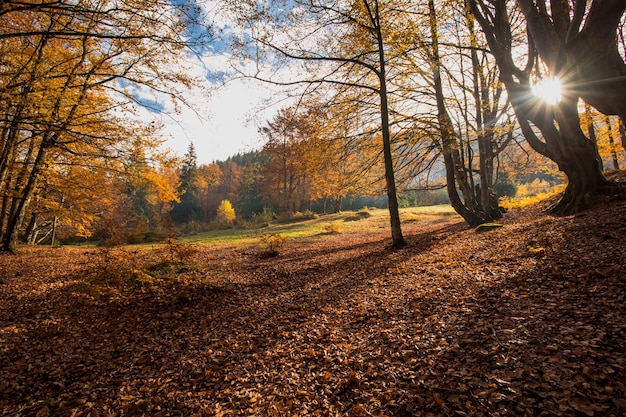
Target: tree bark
<point>563,140</point>
<point>449,146</point>
<point>588,58</point>
<point>612,148</point>
<point>17,215</point>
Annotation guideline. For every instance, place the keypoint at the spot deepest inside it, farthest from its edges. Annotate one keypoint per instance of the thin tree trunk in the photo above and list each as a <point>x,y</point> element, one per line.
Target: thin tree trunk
<point>454,173</point>
<point>484,117</point>
<point>17,214</point>
<point>612,148</point>
<point>31,230</point>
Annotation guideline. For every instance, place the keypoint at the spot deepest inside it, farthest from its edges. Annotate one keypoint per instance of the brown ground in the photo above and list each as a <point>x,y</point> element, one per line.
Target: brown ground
<point>528,319</point>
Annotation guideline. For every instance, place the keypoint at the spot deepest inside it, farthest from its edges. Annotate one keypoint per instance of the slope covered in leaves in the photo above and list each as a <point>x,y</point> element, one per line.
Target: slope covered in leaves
<point>527,319</point>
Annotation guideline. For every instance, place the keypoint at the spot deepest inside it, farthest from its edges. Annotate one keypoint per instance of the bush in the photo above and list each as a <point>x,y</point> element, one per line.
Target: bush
<point>263,218</point>
<point>306,215</point>
<point>271,244</point>
<point>364,213</point>
<point>333,228</point>
<point>288,216</point>
<point>225,213</point>
<point>533,188</point>
<point>118,267</point>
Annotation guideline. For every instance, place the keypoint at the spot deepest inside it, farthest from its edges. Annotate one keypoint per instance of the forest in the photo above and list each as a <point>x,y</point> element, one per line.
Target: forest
<point>389,100</point>
<point>432,224</point>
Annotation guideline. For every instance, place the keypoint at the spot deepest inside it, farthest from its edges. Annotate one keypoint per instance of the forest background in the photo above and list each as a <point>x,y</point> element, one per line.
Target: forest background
<point>390,103</point>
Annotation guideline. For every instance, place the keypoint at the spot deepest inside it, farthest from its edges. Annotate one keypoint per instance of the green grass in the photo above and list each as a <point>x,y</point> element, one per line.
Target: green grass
<point>348,220</point>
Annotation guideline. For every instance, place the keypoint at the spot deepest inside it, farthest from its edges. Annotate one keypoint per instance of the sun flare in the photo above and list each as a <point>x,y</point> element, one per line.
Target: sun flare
<point>548,89</point>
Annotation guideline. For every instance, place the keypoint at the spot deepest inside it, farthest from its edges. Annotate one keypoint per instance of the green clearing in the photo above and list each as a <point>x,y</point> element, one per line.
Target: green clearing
<point>346,222</point>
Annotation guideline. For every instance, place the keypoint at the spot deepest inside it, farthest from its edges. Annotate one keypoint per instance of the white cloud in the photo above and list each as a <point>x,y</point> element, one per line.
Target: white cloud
<point>222,121</point>
<point>226,123</point>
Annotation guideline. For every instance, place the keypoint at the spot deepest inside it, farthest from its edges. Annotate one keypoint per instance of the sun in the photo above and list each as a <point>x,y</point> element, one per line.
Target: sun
<point>548,89</point>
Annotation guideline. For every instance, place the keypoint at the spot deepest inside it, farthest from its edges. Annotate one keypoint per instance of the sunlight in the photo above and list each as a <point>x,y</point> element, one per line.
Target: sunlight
<point>548,89</point>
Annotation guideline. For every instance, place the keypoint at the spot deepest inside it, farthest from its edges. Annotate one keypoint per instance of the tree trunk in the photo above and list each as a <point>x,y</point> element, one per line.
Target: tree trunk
<point>16,215</point>
<point>454,172</point>
<point>612,148</point>
<point>577,156</point>
<point>563,140</point>
<point>30,234</point>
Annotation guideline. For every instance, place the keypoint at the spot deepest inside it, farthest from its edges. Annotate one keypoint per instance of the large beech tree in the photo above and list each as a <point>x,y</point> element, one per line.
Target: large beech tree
<point>575,41</point>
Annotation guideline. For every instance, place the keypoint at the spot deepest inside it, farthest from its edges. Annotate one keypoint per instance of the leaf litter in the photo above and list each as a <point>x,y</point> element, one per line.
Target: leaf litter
<point>528,319</point>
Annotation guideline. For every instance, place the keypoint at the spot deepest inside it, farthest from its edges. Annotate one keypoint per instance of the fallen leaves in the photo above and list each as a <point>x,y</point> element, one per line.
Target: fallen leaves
<point>526,319</point>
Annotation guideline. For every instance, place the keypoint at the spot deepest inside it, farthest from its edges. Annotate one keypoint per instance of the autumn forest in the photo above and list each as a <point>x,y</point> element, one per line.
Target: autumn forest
<point>433,222</point>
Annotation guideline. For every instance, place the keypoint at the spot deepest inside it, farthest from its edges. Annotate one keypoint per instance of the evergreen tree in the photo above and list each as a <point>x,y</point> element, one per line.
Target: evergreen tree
<point>189,208</point>
<point>250,201</point>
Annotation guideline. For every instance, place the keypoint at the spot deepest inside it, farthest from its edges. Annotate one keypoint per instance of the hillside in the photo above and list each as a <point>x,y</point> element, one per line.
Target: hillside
<point>528,319</point>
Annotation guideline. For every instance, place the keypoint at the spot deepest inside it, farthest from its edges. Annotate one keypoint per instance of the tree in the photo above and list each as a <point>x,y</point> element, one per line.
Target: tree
<point>470,144</point>
<point>579,47</point>
<point>148,185</point>
<point>225,213</point>
<point>250,200</point>
<point>452,159</point>
<point>210,177</point>
<point>348,42</point>
<point>578,42</point>
<point>293,160</point>
<point>69,67</point>
<point>189,208</point>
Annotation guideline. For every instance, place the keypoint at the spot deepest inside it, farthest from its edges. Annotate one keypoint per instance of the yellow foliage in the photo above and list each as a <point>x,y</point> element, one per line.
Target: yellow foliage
<point>225,213</point>
<point>525,197</point>
<point>333,228</point>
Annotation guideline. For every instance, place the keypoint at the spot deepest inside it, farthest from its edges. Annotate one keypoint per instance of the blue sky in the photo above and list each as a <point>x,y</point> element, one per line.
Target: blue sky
<point>221,123</point>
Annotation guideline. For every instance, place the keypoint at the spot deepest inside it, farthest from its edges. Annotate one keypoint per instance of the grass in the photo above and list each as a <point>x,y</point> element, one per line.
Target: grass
<point>524,200</point>
<point>349,222</point>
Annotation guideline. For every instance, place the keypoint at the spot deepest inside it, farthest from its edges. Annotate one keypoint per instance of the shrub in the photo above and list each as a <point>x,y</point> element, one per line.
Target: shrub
<point>533,188</point>
<point>410,217</point>
<point>118,267</point>
<point>263,218</point>
<point>289,217</point>
<point>333,228</point>
<point>225,213</point>
<point>524,199</point>
<point>272,244</point>
<point>306,215</point>
<point>364,213</point>
<point>180,252</point>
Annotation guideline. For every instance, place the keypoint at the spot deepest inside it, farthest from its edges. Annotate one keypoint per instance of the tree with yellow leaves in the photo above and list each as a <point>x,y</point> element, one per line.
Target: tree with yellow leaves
<point>66,72</point>
<point>225,213</point>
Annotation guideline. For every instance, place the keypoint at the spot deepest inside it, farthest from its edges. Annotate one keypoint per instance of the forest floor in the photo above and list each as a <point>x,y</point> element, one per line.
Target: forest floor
<point>526,319</point>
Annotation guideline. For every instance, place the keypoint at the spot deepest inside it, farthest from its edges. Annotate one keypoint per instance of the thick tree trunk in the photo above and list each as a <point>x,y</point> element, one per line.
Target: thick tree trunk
<point>584,181</point>
<point>586,59</point>
<point>576,155</point>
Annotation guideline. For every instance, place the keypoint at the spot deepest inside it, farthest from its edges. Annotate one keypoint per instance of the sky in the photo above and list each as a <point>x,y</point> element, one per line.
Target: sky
<point>220,125</point>
<point>224,118</point>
